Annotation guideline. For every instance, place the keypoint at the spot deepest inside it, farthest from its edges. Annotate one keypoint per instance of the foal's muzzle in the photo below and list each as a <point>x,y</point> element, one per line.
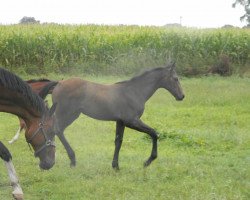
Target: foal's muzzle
<point>180,98</point>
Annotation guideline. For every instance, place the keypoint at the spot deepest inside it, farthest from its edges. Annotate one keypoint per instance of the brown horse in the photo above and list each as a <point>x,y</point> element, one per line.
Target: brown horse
<point>122,102</point>
<point>36,86</point>
<point>17,98</point>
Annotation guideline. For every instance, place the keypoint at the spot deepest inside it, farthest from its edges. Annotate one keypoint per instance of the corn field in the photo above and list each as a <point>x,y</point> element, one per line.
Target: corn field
<point>119,49</point>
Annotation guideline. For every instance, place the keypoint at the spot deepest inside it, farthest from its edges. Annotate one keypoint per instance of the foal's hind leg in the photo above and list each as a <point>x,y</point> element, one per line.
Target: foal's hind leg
<point>140,126</point>
<point>6,156</point>
<point>118,143</point>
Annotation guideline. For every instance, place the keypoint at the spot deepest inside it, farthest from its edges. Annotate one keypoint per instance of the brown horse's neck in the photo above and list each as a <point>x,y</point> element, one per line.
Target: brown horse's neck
<point>17,98</point>
<point>14,103</point>
<point>28,116</point>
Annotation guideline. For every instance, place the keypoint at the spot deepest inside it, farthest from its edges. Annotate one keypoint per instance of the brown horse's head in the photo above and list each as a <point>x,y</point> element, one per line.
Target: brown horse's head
<point>170,81</point>
<point>40,135</point>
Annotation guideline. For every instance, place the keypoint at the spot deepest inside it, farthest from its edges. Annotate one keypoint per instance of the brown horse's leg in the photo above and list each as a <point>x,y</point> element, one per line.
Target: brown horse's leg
<point>17,190</point>
<point>118,143</point>
<point>6,156</point>
<point>140,126</point>
<point>15,138</point>
<point>22,126</point>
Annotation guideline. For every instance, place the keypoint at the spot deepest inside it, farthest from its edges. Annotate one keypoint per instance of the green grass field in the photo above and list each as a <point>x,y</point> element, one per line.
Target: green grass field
<point>204,150</point>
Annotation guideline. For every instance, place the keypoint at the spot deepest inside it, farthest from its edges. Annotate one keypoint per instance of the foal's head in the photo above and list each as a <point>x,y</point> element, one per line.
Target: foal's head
<point>170,81</point>
<point>40,135</point>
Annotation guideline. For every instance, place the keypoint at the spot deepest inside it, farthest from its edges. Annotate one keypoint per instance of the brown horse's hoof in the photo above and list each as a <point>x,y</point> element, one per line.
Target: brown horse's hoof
<point>18,196</point>
<point>17,192</point>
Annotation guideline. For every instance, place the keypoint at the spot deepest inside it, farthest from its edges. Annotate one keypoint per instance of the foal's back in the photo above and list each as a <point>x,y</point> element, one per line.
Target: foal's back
<point>104,102</point>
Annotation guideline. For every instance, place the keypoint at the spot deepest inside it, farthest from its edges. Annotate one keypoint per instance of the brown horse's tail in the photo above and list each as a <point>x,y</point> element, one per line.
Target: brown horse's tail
<point>47,89</point>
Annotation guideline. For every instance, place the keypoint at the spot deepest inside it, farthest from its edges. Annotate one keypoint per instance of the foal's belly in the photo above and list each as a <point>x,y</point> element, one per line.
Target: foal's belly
<point>99,112</point>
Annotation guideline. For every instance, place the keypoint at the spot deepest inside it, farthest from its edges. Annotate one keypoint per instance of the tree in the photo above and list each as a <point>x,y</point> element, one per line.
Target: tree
<point>29,20</point>
<point>246,5</point>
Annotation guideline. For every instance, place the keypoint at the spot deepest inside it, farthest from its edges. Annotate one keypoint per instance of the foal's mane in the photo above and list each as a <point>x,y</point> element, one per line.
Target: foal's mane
<point>16,84</point>
<point>37,80</point>
<point>135,78</point>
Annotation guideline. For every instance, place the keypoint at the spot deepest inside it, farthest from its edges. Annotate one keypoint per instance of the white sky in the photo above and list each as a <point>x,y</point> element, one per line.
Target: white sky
<point>194,13</point>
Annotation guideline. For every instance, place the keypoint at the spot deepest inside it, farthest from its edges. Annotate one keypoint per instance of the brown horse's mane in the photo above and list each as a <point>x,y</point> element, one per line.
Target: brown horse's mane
<point>16,84</point>
<point>37,80</point>
<point>141,75</point>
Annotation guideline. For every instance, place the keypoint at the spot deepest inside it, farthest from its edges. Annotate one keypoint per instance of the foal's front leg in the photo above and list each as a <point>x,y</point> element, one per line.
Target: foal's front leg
<point>118,143</point>
<point>6,156</point>
<point>138,125</point>
<point>70,151</point>
<point>63,120</point>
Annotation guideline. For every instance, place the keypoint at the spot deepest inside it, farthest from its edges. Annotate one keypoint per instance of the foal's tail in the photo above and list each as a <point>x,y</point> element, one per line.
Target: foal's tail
<point>47,89</point>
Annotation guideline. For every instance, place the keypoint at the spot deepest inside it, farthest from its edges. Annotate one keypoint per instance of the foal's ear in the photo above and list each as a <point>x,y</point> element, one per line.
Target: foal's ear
<point>52,109</point>
<point>171,66</point>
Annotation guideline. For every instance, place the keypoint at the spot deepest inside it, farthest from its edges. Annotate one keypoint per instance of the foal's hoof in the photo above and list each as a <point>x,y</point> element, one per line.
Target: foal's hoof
<point>73,164</point>
<point>115,166</point>
<point>146,164</point>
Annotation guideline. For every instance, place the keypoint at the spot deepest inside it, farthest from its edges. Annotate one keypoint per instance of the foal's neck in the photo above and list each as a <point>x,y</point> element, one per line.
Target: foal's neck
<point>146,84</point>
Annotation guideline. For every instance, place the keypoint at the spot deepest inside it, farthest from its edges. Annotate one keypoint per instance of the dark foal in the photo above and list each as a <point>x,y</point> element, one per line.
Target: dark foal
<point>122,102</point>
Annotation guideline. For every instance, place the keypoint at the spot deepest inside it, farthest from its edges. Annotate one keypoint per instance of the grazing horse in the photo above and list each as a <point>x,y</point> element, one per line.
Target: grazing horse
<point>122,102</point>
<point>17,98</point>
<point>36,86</point>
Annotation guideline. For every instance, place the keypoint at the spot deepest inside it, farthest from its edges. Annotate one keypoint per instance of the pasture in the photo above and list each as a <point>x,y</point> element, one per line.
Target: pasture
<point>204,149</point>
